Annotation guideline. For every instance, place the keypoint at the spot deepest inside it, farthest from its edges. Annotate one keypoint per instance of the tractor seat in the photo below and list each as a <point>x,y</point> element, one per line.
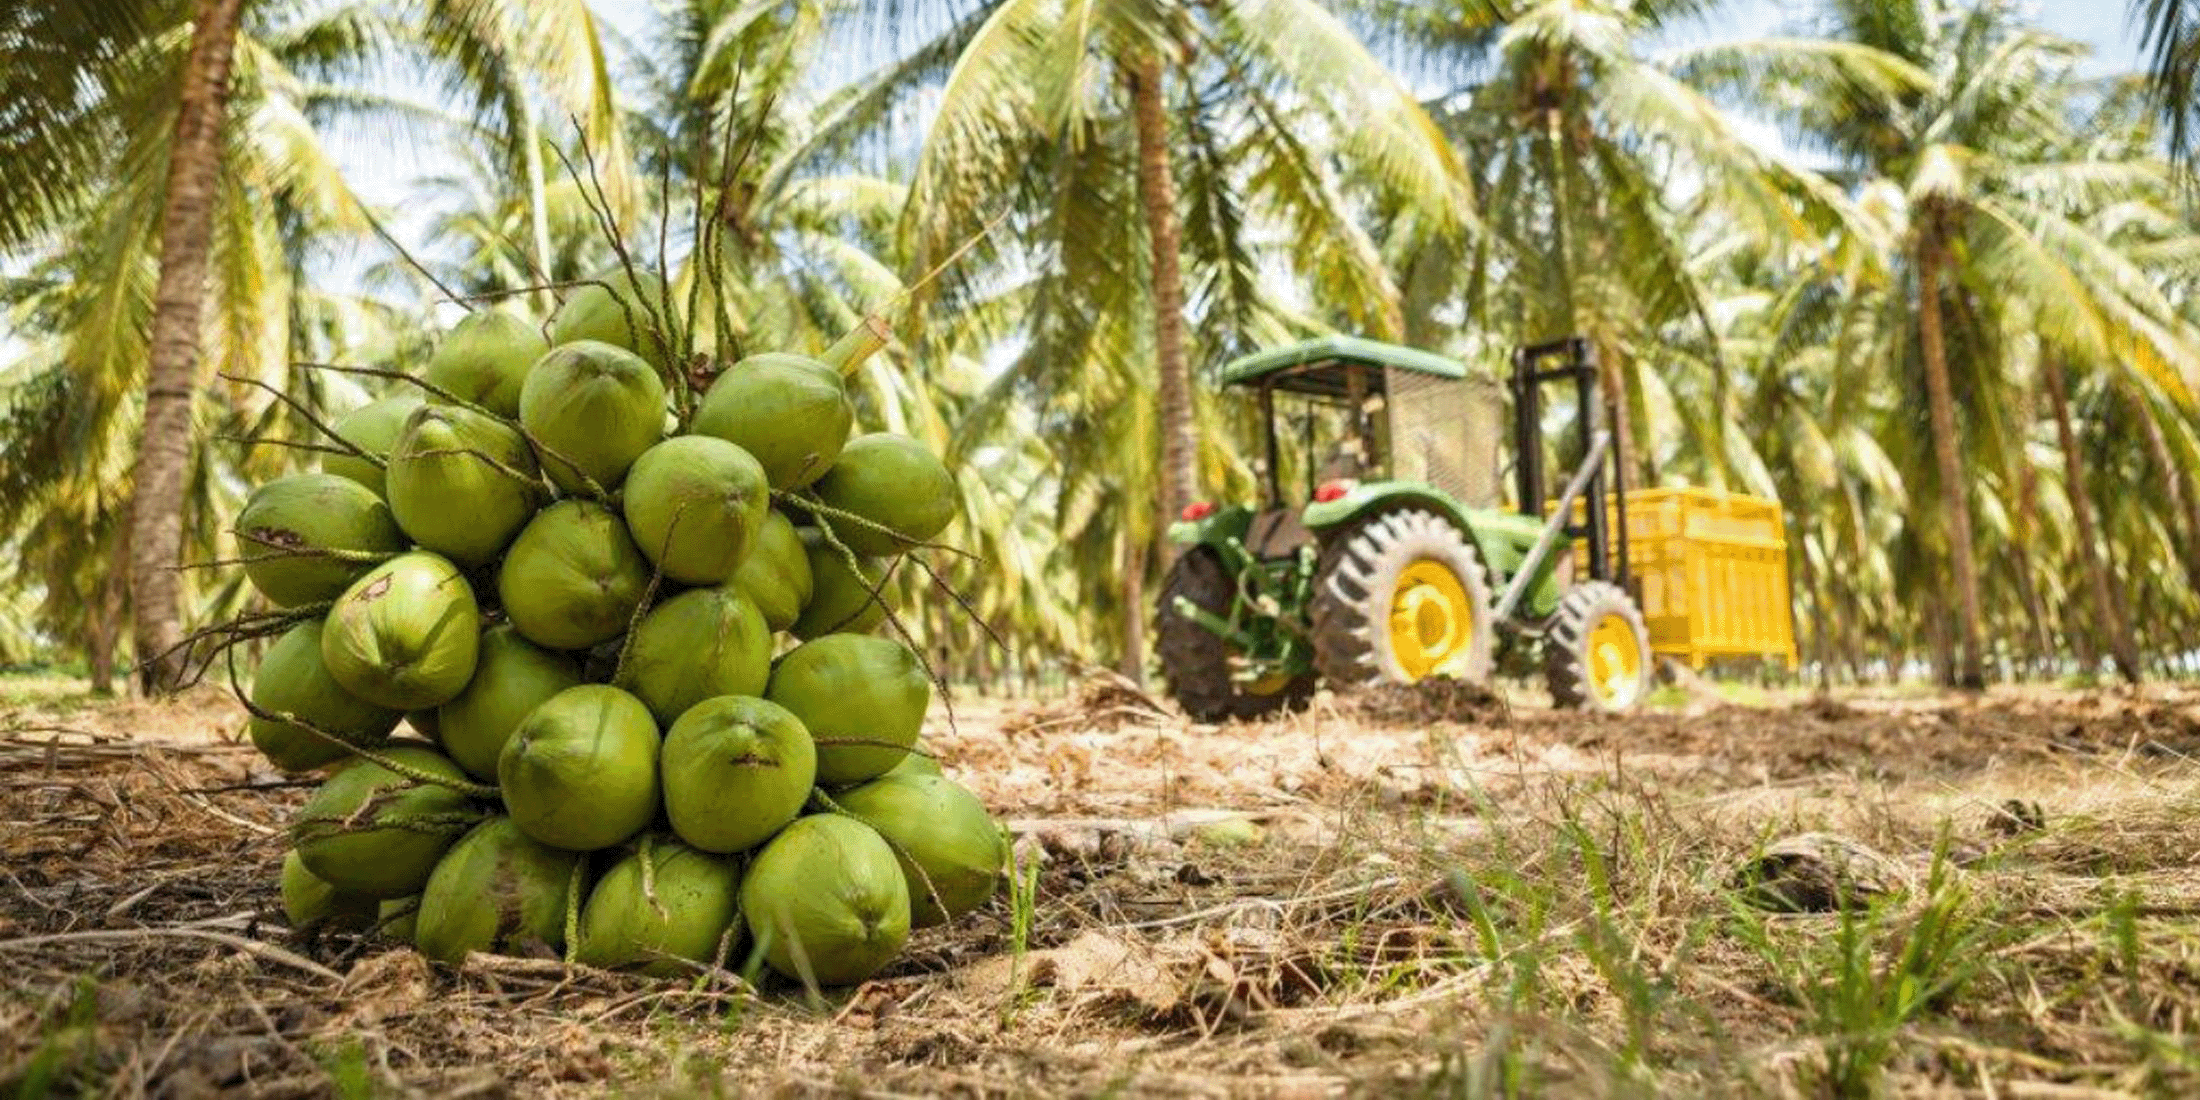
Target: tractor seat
<point>1276,533</point>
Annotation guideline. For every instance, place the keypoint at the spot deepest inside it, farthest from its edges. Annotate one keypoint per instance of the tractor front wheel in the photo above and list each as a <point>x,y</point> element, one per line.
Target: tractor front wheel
<point>1596,652</point>
<point>1196,661</point>
<point>1401,597</point>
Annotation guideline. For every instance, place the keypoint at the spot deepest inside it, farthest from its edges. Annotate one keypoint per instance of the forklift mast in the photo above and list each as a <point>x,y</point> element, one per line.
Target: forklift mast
<point>1570,359</point>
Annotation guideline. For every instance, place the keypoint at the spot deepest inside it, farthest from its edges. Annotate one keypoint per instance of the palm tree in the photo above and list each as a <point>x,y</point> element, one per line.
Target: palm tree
<point>1238,131</point>
<point>1582,139</point>
<point>1042,88</point>
<point>2170,31</point>
<point>2107,600</point>
<point>1988,233</point>
<point>186,240</point>
<point>142,87</point>
<point>62,61</point>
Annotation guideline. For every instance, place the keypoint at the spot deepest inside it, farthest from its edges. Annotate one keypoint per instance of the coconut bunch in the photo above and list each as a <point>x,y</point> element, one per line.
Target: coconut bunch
<point>632,626</point>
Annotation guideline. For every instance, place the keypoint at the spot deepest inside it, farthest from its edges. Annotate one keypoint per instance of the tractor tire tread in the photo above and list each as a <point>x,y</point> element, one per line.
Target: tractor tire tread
<point>1350,604</point>
<point>1195,664</point>
<point>1565,643</point>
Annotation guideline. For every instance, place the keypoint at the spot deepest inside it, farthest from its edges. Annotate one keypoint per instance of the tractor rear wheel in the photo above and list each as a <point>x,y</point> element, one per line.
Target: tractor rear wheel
<point>1596,651</point>
<point>1196,661</point>
<point>1400,597</point>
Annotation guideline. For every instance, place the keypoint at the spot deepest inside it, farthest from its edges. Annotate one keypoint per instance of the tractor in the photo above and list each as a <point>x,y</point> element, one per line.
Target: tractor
<point>1396,562</point>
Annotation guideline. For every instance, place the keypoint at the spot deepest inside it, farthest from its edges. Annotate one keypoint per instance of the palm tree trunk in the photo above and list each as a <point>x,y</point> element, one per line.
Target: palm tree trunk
<point>1821,623</point>
<point>186,235</point>
<point>102,628</point>
<point>1157,196</point>
<point>2028,510</point>
<point>1954,495</point>
<point>2184,500</point>
<point>2123,650</point>
<point>1133,664</point>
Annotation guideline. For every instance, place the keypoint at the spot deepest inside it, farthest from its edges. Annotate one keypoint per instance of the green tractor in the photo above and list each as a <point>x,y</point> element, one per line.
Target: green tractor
<point>1399,562</point>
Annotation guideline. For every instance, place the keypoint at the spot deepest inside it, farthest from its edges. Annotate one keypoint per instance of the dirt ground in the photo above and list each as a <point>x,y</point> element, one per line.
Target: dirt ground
<point>1406,895</point>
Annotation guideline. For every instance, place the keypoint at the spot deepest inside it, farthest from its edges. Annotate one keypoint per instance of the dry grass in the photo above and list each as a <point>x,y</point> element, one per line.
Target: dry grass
<point>1406,897</point>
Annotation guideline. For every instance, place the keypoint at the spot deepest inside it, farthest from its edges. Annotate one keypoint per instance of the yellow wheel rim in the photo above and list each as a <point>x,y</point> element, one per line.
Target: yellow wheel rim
<point>1615,661</point>
<point>1431,618</point>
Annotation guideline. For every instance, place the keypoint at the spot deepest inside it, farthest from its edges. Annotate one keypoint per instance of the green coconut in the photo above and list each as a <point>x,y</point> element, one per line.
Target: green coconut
<point>293,680</point>
<point>306,537</point>
<point>862,699</point>
<point>789,411</point>
<point>841,600</point>
<point>573,577</point>
<point>309,902</point>
<point>406,635</point>
<point>893,482</point>
<point>580,773</point>
<point>461,484</point>
<point>512,677</point>
<point>736,770</point>
<point>373,832</point>
<point>663,903</point>
<point>825,901</point>
<point>776,574</point>
<point>920,761</point>
<point>950,849</point>
<point>695,505</point>
<point>698,645</point>
<point>614,314</point>
<point>592,409</point>
<point>373,428</point>
<point>496,891</point>
<point>485,357</point>
<point>397,918</point>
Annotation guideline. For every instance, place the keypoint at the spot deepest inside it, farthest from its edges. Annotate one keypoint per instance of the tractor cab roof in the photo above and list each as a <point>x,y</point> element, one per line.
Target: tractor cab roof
<point>1321,366</point>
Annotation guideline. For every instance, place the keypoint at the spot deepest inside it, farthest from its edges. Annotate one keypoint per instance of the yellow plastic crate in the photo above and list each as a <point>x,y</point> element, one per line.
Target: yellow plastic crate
<point>1712,570</point>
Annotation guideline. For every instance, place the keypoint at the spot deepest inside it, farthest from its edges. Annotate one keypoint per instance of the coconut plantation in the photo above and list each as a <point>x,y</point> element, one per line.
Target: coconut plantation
<point>1008,548</point>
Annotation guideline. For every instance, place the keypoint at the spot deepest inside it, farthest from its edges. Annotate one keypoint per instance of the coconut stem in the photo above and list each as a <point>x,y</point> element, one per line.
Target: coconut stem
<point>931,892</point>
<point>428,823</point>
<point>573,910</point>
<point>925,661</point>
<point>808,502</point>
<point>493,462</point>
<point>656,579</point>
<point>588,484</point>
<point>649,879</point>
<point>300,408</point>
<point>278,550</point>
<point>465,787</point>
<point>298,445</point>
<point>855,569</point>
<point>961,601</point>
<point>417,775</point>
<point>659,329</point>
<point>432,389</point>
<point>235,632</point>
<point>850,352</point>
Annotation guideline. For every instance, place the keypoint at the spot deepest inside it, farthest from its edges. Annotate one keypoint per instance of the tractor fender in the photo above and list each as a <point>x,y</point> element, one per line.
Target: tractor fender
<point>1230,521</point>
<point>1372,497</point>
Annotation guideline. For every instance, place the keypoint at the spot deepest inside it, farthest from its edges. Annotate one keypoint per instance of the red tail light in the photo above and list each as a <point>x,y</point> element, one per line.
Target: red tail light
<point>1197,511</point>
<point>1333,489</point>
